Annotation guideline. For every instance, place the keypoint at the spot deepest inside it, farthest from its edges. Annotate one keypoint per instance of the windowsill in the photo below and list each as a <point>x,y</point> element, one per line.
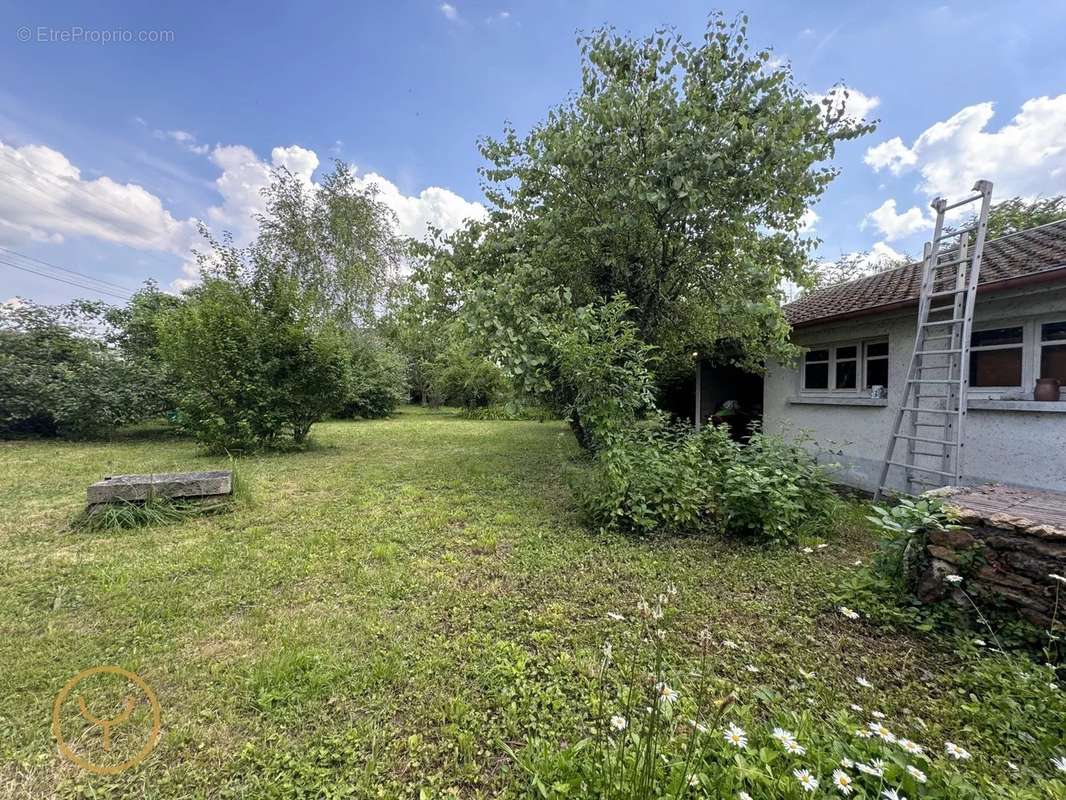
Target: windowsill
<point>830,400</point>
<point>1031,406</point>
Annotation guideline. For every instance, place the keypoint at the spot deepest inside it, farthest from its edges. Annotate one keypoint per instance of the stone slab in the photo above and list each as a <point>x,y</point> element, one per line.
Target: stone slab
<point>176,485</point>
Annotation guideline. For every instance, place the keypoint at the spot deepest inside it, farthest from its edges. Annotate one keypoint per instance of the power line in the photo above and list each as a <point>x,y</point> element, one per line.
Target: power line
<point>65,269</point>
<point>88,287</point>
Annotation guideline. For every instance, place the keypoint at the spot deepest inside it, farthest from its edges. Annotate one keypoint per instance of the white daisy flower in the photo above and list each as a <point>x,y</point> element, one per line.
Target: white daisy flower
<point>847,763</point>
<point>808,550</point>
<point>882,732</point>
<point>735,735</point>
<point>666,694</point>
<point>843,782</point>
<point>954,580</point>
<point>916,773</point>
<point>1012,766</point>
<point>875,768</point>
<point>730,644</point>
<point>865,684</point>
<point>699,727</point>
<point>877,715</point>
<point>913,748</point>
<point>862,733</point>
<point>956,752</point>
<point>855,707</point>
<point>806,780</point>
<point>848,612</point>
<point>807,675</point>
<point>822,546</point>
<point>781,734</point>
<point>618,723</point>
<point>857,563</point>
<point>892,794</point>
<point>794,747</point>
<point>752,669</point>
<point>694,780</point>
<point>743,796</point>
<point>1059,762</point>
<point>611,615</point>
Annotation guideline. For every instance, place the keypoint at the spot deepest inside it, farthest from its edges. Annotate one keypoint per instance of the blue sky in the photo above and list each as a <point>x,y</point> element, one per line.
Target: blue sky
<point>109,152</point>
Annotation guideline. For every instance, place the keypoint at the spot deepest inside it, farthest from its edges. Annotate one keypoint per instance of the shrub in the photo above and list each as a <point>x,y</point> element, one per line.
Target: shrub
<point>59,379</point>
<point>253,366</point>
<point>458,376</point>
<point>663,479</point>
<point>377,381</point>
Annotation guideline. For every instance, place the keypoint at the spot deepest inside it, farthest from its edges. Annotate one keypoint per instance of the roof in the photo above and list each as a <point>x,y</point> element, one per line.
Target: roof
<point>1026,256</point>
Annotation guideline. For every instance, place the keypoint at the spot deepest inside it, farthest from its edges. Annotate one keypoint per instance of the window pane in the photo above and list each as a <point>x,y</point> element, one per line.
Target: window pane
<point>816,376</point>
<point>1053,331</point>
<point>847,352</point>
<point>879,349</point>
<point>877,372</point>
<point>1053,362</point>
<point>817,355</point>
<point>846,373</point>
<point>996,367</point>
<point>996,336</point>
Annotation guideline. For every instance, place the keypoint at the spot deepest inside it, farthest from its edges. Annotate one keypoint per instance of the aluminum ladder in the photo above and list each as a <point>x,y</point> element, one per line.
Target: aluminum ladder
<point>928,435</point>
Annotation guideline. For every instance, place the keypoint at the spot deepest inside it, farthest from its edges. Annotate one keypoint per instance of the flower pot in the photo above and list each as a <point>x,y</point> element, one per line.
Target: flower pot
<point>1046,389</point>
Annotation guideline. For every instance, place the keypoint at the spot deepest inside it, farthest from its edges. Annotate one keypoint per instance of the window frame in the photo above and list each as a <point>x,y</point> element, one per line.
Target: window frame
<point>1039,345</point>
<point>1001,325</point>
<point>861,346</point>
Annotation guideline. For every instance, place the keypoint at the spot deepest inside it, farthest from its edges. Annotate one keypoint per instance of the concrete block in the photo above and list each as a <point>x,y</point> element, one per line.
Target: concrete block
<point>174,485</point>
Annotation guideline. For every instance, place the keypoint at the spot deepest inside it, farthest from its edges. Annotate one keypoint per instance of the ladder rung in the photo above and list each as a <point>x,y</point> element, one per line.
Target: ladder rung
<point>948,293</point>
<point>921,469</point>
<point>954,233</point>
<point>964,202</point>
<point>926,439</point>
<point>938,352</point>
<point>955,263</point>
<point>951,321</point>
<point>933,380</point>
<point>931,411</point>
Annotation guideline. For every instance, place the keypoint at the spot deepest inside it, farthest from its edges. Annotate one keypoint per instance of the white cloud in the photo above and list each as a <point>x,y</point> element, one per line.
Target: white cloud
<point>893,225</point>
<point>857,105</point>
<point>449,11</point>
<point>434,205</point>
<point>45,199</point>
<point>1026,157</point>
<point>881,253</point>
<point>188,141</point>
<point>808,220</point>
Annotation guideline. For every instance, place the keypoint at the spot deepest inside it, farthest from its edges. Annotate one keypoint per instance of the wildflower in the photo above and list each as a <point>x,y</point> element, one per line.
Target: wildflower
<point>735,735</point>
<point>608,651</point>
<point>956,752</point>
<point>807,781</point>
<point>794,747</point>
<point>693,781</point>
<point>807,675</point>
<point>1058,578</point>
<point>877,715</point>
<point>1053,686</point>
<point>614,617</point>
<point>1059,763</point>
<point>911,747</point>
<point>699,727</point>
<point>865,684</point>
<point>916,773</point>
<point>980,642</point>
<point>808,550</point>
<point>730,644</point>
<point>671,590</point>
<point>881,732</point>
<point>849,613</point>
<point>847,763</point>
<point>743,796</point>
<point>781,734</point>
<point>954,580</point>
<point>875,768</point>
<point>1012,766</point>
<point>754,670</point>
<point>618,723</point>
<point>822,546</point>
<point>666,694</point>
<point>862,733</point>
<point>892,794</point>
<point>843,782</point>
<point>855,707</point>
<point>858,562</point>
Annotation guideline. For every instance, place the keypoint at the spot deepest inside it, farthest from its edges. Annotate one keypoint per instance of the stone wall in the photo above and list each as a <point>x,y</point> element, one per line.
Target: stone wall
<point>1005,559</point>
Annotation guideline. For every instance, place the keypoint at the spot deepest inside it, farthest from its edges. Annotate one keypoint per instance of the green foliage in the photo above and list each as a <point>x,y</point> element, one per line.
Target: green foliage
<point>253,365</point>
<point>59,377</point>
<point>668,479</point>
<point>458,376</point>
<point>677,178</point>
<point>377,378</point>
<point>511,410</point>
<point>1018,214</point>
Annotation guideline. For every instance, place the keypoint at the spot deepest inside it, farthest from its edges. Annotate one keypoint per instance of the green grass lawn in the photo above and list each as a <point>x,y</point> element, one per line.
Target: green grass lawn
<point>390,610</point>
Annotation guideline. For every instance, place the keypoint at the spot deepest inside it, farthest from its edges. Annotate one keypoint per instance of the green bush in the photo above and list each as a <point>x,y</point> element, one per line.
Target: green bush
<point>253,366</point>
<point>668,479</point>
<point>377,381</point>
<point>57,378</point>
<point>460,377</point>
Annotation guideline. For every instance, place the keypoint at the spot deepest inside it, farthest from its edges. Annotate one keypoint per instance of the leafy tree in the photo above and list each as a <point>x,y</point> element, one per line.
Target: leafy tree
<point>377,381</point>
<point>676,178</point>
<point>58,377</point>
<point>851,266</point>
<point>253,362</point>
<point>459,375</point>
<point>1018,214</point>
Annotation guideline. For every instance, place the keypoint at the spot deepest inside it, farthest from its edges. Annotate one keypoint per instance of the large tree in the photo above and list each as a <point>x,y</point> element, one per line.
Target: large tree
<point>677,179</point>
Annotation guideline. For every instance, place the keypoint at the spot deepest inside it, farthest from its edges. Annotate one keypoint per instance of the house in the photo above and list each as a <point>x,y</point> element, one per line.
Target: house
<point>860,335</point>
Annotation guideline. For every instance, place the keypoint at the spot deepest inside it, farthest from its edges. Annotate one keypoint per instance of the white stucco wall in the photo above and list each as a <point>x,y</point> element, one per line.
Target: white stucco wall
<point>1024,448</point>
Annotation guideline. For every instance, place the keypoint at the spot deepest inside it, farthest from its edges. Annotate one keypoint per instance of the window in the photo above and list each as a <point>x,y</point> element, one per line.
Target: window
<point>996,357</point>
<point>816,369</point>
<point>876,364</point>
<point>845,367</point>
<point>1053,351</point>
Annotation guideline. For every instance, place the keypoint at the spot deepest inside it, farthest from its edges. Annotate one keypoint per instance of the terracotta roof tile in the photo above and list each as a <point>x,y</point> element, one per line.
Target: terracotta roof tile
<point>1017,255</point>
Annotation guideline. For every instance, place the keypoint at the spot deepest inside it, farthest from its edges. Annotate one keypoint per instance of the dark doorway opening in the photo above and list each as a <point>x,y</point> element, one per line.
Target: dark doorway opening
<point>728,395</point>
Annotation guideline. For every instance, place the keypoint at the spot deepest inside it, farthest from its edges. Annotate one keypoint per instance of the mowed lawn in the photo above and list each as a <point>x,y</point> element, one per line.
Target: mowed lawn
<point>388,612</point>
